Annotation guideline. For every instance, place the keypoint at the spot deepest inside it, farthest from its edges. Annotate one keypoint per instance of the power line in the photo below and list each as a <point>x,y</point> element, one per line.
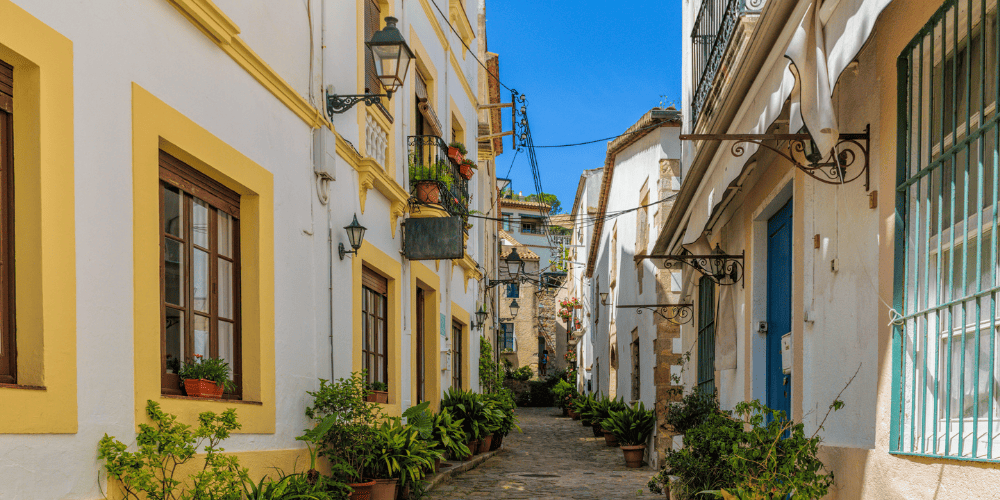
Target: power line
<point>600,140</point>
<point>495,77</point>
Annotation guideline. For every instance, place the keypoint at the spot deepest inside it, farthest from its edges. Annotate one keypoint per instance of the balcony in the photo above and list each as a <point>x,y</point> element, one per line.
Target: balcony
<point>434,179</point>
<point>718,24</point>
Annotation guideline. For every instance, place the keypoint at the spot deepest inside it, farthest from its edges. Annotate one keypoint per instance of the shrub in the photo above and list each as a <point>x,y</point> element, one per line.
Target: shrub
<point>523,373</point>
<point>350,422</point>
<point>149,472</point>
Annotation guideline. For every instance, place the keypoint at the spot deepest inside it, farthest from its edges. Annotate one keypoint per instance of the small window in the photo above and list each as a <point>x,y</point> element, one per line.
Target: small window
<point>513,291</point>
<point>200,269</point>
<point>8,344</point>
<point>456,356</point>
<point>531,225</point>
<point>506,337</point>
<point>505,221</point>
<point>374,322</point>
<point>706,335</point>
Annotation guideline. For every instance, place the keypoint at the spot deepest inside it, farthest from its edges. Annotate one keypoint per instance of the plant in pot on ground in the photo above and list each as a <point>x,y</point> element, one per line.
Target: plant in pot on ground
<point>205,377</point>
<point>349,442</point>
<point>582,405</point>
<point>400,456</point>
<point>448,435</point>
<point>632,426</point>
<point>469,407</point>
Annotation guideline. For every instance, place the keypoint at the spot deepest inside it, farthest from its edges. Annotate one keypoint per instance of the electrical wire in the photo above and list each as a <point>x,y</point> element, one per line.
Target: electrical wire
<point>648,127</point>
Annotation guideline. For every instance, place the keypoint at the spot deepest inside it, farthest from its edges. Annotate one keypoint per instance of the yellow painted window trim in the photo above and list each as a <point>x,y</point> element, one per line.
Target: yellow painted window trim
<point>156,126</point>
<point>211,21</point>
<point>460,20</point>
<point>465,83</point>
<point>372,175</point>
<point>460,314</point>
<point>44,218</point>
<point>432,371</point>
<point>380,262</point>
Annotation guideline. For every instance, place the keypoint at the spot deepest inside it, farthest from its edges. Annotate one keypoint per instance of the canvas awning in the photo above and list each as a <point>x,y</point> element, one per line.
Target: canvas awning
<point>821,46</point>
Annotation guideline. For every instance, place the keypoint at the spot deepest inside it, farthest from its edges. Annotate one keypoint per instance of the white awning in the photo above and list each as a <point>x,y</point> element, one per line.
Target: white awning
<point>821,46</point>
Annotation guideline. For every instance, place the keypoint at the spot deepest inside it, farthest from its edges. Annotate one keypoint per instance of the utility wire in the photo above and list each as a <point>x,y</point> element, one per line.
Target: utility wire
<point>495,77</point>
<point>601,140</point>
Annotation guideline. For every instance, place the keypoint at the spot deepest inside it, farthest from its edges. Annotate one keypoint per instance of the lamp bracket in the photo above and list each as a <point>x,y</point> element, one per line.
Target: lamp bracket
<point>677,314</point>
<point>848,164</point>
<point>336,104</point>
<point>344,251</point>
<point>731,265</point>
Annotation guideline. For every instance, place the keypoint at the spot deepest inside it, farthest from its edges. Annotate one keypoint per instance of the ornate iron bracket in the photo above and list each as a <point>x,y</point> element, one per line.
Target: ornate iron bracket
<point>336,104</point>
<point>848,164</point>
<point>677,314</point>
<point>721,268</point>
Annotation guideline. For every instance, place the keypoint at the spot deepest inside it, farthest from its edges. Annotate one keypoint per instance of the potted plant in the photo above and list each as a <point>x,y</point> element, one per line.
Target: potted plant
<point>428,181</point>
<point>602,412</point>
<point>399,458</point>
<point>457,152</point>
<point>378,392</point>
<point>449,437</point>
<point>465,169</point>
<point>206,377</point>
<point>349,442</point>
<point>469,407</point>
<point>632,427</point>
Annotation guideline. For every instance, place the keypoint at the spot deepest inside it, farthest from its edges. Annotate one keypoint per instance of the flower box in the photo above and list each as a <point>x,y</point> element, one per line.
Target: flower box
<point>201,388</point>
<point>377,397</point>
<point>455,155</point>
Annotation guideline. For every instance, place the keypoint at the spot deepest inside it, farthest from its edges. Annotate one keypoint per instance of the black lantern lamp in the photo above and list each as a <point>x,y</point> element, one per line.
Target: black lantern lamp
<point>356,235</point>
<point>604,298</point>
<point>514,308</point>
<point>392,60</point>
<point>480,317</point>
<point>514,263</point>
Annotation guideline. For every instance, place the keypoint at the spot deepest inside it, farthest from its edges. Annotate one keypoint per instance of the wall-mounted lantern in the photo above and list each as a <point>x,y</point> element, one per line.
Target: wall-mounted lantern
<point>604,298</point>
<point>392,59</point>
<point>514,308</point>
<point>356,235</point>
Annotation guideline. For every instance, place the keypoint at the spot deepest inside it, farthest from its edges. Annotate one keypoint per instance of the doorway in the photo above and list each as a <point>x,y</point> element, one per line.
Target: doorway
<point>779,306</point>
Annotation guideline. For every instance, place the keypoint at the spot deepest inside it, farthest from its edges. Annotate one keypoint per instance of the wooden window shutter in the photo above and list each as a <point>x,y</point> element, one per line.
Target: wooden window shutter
<point>374,281</point>
<point>421,86</point>
<point>372,15</point>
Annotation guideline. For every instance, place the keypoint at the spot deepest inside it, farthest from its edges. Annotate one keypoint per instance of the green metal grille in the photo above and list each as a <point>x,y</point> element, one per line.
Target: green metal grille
<point>706,335</point>
<point>946,274</point>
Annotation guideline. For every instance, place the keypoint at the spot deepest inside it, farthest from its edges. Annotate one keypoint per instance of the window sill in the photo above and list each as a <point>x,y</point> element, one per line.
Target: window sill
<point>219,400</point>
<point>24,387</point>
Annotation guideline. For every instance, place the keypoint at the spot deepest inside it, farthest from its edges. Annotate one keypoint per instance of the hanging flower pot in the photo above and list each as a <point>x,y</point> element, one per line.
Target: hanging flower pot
<point>201,388</point>
<point>466,169</point>
<point>428,191</point>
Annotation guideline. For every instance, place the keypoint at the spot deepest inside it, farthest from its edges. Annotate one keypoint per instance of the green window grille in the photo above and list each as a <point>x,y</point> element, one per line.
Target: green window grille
<point>706,335</point>
<point>944,398</point>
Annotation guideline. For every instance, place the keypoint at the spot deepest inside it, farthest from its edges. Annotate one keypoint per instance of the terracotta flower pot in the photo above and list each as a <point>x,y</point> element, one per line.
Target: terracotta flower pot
<point>465,171</point>
<point>596,427</point>
<point>473,447</point>
<point>437,464</point>
<point>384,489</point>
<point>377,397</point>
<point>428,191</point>
<point>610,439</point>
<point>497,441</point>
<point>578,306</point>
<point>485,443</point>
<point>633,455</point>
<point>362,491</point>
<point>201,388</point>
<point>455,155</point>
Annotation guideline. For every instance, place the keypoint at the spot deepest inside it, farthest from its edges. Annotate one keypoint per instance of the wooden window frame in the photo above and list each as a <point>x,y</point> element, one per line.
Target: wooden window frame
<point>456,354</point>
<point>421,348</point>
<point>191,184</point>
<point>374,286</point>
<point>8,327</point>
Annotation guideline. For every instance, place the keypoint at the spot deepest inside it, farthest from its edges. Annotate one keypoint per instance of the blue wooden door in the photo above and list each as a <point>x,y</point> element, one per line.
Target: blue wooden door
<point>779,306</point>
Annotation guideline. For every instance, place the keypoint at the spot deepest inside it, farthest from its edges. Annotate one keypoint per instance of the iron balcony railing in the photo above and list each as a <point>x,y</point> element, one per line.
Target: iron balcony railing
<point>428,161</point>
<point>713,30</point>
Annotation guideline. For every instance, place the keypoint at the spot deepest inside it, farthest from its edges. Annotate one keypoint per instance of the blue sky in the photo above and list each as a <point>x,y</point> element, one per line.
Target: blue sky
<point>589,69</point>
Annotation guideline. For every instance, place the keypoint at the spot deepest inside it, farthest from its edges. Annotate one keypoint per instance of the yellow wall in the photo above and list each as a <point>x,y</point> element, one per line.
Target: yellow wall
<point>462,316</point>
<point>422,276</point>
<point>390,268</point>
<point>156,126</point>
<point>45,281</point>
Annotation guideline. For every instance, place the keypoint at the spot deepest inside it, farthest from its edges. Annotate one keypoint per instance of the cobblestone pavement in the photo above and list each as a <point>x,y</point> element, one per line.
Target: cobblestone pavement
<point>553,458</point>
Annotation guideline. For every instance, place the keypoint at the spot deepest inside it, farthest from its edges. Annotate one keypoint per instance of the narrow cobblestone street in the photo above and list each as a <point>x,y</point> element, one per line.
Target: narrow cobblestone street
<point>553,458</point>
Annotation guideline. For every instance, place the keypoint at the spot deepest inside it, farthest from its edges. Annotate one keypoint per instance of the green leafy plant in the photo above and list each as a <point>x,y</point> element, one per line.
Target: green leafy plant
<point>399,452</point>
<point>150,471</point>
<point>378,386</point>
<point>469,407</point>
<point>521,374</point>
<point>459,146</point>
<point>448,435</point>
<point>214,369</point>
<point>632,426</point>
<point>295,487</point>
<point>350,433</point>
<point>470,163</point>
<point>439,171</point>
<point>491,373</point>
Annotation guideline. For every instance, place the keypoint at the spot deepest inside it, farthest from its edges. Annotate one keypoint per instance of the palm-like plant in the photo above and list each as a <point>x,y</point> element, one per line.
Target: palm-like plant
<point>632,426</point>
<point>447,434</point>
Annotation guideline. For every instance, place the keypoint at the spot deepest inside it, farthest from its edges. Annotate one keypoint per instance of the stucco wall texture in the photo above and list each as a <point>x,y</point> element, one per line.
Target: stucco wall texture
<point>153,45</point>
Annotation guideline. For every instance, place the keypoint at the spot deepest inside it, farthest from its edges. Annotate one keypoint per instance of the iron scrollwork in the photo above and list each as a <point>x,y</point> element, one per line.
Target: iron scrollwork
<point>720,268</point>
<point>336,104</point>
<point>677,314</point>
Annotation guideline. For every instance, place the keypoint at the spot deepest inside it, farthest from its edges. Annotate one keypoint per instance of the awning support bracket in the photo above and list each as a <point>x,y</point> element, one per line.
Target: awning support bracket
<point>719,267</point>
<point>677,314</point>
<point>848,164</point>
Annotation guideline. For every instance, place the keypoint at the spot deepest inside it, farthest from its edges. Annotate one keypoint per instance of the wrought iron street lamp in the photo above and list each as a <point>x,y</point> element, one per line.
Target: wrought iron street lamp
<point>514,308</point>
<point>392,60</point>
<point>356,235</point>
<point>513,263</point>
<point>604,298</point>
<point>480,320</point>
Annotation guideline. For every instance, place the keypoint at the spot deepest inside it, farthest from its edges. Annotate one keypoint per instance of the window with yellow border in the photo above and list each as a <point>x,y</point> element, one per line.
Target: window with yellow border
<point>391,269</point>
<point>155,127</point>
<point>45,397</point>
